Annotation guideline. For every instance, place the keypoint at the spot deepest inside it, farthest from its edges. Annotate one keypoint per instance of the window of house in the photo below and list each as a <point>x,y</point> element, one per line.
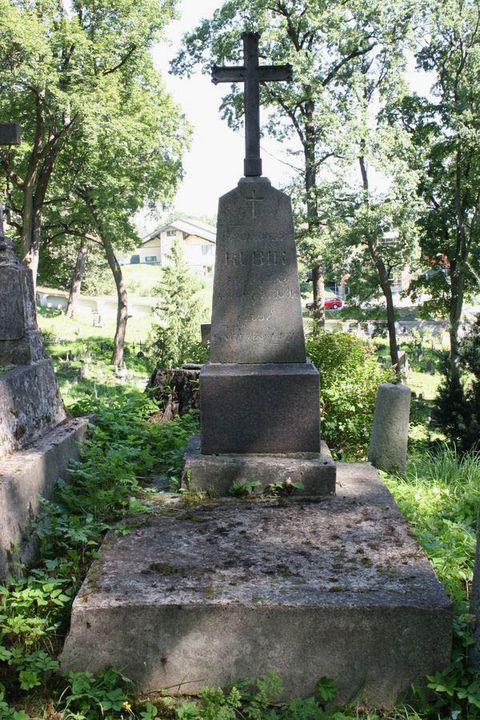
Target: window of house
<point>151,259</point>
<point>171,233</point>
<point>135,259</point>
<point>206,249</point>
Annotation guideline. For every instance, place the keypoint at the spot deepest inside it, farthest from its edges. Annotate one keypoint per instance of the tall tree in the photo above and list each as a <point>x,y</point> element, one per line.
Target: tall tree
<point>445,126</point>
<point>77,278</point>
<point>55,59</point>
<point>321,40</point>
<point>125,155</point>
<point>376,209</point>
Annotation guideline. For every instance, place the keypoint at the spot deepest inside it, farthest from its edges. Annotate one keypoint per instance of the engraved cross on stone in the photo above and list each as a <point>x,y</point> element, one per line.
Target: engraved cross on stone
<point>254,199</point>
<point>252,74</point>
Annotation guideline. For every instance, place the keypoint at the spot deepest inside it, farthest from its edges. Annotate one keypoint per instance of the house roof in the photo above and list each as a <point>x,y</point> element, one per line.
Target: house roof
<point>190,227</point>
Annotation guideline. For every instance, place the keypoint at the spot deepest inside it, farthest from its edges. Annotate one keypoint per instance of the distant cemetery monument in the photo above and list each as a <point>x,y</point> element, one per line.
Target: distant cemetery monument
<point>37,440</point>
<point>323,581</point>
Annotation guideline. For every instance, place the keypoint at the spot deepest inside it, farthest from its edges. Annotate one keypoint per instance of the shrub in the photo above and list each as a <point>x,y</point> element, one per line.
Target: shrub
<point>349,377</point>
<point>457,406</point>
<point>175,337</point>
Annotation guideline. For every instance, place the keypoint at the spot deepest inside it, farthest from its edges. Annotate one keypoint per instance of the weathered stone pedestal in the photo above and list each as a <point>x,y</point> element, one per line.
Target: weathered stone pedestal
<point>25,477</point>
<point>37,440</point>
<point>218,474</point>
<point>252,408</point>
<point>203,596</point>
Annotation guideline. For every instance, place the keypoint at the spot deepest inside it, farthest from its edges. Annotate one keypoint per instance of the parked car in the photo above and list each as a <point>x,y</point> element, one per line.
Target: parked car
<point>331,303</point>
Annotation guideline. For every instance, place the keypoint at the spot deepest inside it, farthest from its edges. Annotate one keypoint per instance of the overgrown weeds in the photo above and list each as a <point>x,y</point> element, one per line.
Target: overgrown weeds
<point>440,497</point>
<point>124,451</point>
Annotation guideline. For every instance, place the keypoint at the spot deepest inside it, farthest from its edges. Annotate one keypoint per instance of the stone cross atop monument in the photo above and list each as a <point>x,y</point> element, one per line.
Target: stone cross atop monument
<point>252,74</point>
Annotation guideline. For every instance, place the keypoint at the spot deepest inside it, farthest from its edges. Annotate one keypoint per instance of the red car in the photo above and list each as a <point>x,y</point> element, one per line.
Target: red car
<point>331,303</point>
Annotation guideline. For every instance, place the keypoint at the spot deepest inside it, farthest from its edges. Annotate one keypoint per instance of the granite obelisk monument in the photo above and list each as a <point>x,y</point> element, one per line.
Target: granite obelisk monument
<point>259,393</point>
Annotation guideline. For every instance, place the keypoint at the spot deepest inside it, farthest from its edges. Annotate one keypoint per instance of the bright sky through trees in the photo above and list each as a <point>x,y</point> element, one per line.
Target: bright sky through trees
<point>215,162</point>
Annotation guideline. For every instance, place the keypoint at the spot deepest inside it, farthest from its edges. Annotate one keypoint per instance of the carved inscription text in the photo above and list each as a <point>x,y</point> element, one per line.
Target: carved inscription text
<point>255,257</point>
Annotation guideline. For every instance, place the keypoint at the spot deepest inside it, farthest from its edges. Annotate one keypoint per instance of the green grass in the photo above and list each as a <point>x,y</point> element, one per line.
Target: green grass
<point>60,330</point>
<point>141,279</point>
<point>440,496</point>
<point>81,355</point>
<point>423,384</point>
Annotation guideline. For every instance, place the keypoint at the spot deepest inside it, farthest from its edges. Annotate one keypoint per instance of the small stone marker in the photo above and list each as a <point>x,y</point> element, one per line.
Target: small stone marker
<point>474,650</point>
<point>389,438</point>
<point>205,329</point>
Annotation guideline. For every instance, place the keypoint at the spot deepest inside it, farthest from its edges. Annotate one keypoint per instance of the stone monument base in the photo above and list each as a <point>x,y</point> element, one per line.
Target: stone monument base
<point>27,475</point>
<point>30,405</point>
<point>260,408</point>
<point>202,596</point>
<point>217,473</point>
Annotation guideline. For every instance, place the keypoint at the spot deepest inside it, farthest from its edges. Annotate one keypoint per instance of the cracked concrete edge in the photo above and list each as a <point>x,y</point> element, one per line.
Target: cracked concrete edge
<point>25,477</point>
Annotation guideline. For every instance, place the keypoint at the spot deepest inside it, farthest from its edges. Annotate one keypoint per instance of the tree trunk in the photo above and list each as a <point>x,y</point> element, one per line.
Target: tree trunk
<point>122,295</point>
<point>175,391</point>
<point>384,280</point>
<point>29,256</point>
<point>456,305</point>
<point>318,278</point>
<point>318,282</point>
<point>457,274</point>
<point>33,201</point>
<point>122,303</point>
<point>392,331</point>
<point>474,653</point>
<point>77,277</point>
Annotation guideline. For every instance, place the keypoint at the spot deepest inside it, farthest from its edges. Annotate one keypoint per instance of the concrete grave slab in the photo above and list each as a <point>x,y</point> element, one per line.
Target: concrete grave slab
<point>203,596</point>
<point>26,476</point>
<point>36,439</point>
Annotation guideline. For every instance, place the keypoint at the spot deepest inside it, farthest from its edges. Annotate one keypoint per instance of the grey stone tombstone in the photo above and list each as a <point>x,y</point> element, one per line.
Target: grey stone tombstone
<point>205,329</point>
<point>9,134</point>
<point>259,394</point>
<point>474,652</point>
<point>20,341</point>
<point>37,440</point>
